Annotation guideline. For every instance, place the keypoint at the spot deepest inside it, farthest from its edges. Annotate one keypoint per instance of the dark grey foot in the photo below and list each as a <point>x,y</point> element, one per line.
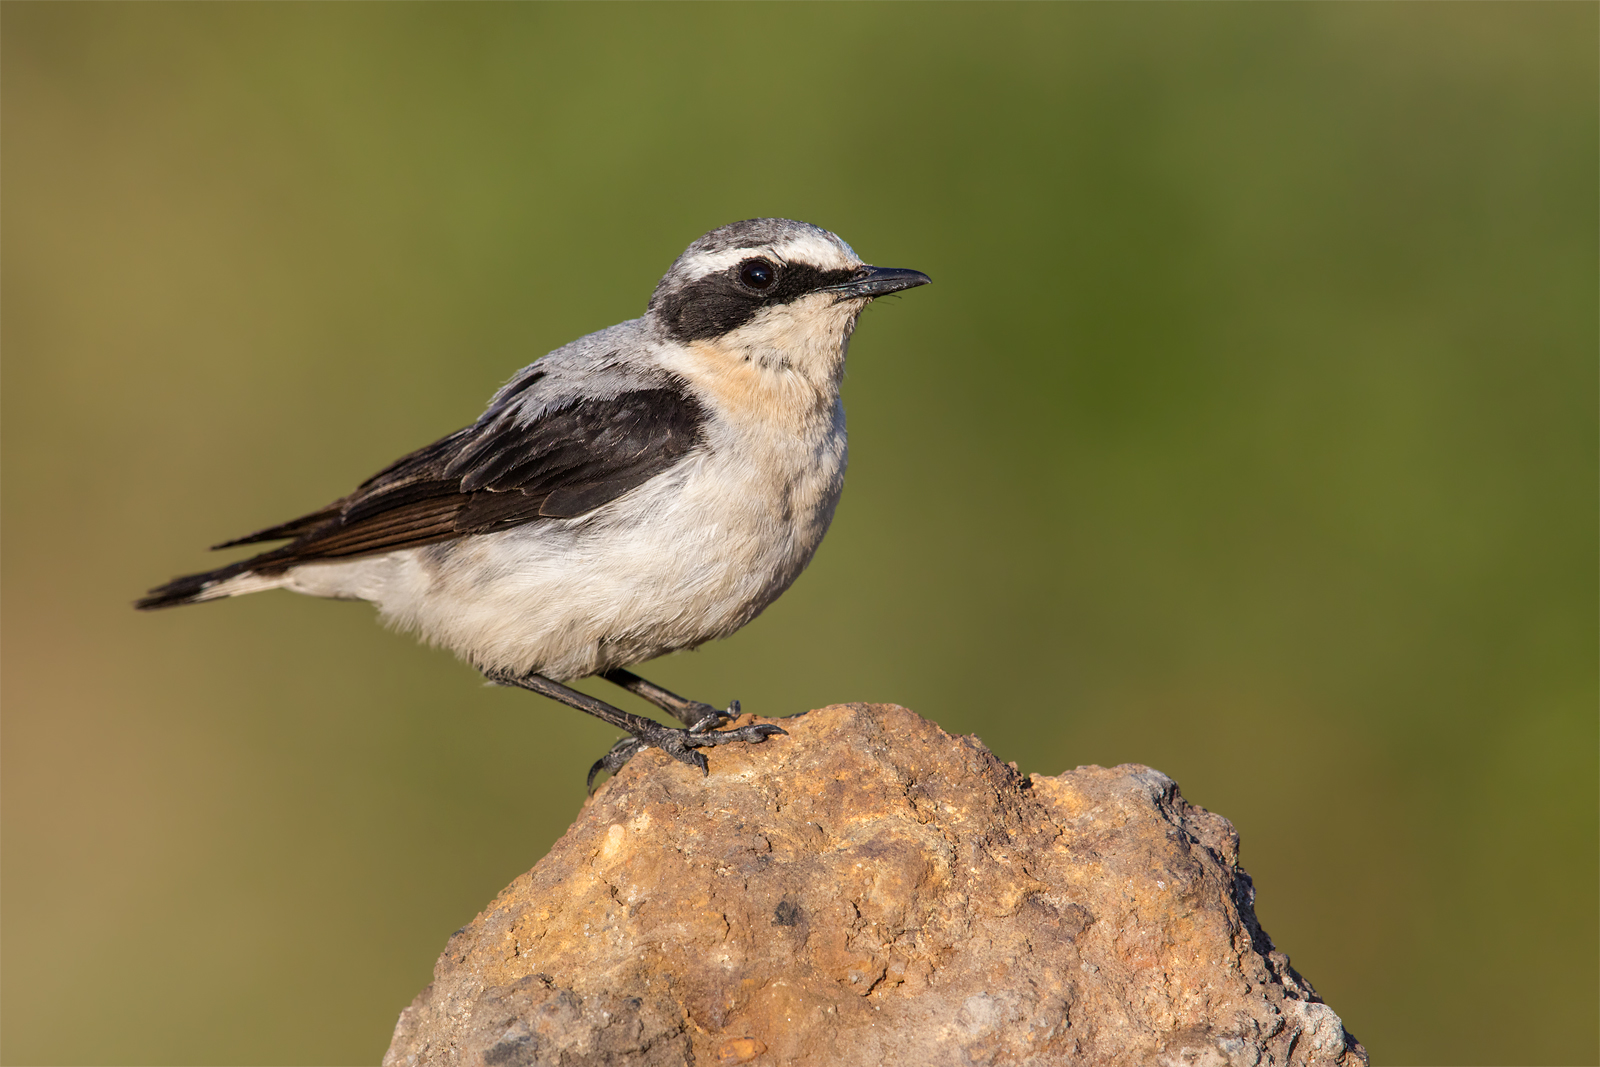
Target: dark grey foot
<point>696,715</point>
<point>704,717</point>
<point>612,761</point>
<point>679,744</point>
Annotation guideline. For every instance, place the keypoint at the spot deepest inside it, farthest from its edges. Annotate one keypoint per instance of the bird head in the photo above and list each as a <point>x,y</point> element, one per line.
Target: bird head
<point>779,294</point>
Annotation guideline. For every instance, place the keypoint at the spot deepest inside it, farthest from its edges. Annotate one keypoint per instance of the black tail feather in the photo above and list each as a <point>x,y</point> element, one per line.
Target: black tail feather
<point>187,590</point>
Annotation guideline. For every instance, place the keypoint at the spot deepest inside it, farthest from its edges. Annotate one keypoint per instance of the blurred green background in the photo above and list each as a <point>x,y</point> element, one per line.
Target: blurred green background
<point>1248,431</point>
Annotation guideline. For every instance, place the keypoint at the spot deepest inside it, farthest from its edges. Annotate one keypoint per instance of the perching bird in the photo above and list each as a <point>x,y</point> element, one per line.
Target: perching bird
<point>644,489</point>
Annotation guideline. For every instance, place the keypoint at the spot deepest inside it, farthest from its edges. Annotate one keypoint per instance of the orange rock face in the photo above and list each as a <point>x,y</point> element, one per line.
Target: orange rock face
<point>870,890</point>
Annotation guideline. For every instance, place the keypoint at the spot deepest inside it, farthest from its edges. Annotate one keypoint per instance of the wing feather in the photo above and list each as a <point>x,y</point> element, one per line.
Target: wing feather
<point>497,474</point>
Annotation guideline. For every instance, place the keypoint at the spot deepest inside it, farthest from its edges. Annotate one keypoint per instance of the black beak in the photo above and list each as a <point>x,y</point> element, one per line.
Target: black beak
<point>879,281</point>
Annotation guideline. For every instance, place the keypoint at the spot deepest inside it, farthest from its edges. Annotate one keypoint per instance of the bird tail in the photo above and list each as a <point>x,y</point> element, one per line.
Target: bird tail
<point>232,580</point>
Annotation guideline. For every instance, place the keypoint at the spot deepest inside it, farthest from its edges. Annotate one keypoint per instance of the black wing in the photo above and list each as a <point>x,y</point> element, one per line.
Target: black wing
<point>490,476</point>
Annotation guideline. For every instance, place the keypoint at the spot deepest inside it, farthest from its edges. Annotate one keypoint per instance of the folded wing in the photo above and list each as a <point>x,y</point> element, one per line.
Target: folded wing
<point>505,470</point>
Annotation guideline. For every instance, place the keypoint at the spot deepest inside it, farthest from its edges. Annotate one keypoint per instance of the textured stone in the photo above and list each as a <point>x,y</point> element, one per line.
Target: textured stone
<point>871,890</point>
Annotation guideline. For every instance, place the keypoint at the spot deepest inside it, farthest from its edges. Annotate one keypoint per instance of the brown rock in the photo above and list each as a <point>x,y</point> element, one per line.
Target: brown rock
<point>870,890</point>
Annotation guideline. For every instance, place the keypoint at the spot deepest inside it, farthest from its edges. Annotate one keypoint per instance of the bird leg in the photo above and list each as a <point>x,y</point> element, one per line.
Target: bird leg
<point>679,744</point>
<point>696,716</point>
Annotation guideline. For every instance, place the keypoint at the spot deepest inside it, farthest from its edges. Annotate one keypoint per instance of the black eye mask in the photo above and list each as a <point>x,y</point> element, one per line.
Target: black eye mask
<point>711,306</point>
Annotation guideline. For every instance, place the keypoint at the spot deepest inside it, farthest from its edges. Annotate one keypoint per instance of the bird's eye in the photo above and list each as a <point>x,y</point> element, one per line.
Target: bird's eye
<point>757,273</point>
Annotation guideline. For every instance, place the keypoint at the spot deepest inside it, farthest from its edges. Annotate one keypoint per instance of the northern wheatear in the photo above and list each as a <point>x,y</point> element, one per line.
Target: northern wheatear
<point>644,489</point>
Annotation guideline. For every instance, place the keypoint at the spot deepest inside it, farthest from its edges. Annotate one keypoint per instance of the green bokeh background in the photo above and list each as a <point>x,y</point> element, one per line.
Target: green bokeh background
<point>1248,431</point>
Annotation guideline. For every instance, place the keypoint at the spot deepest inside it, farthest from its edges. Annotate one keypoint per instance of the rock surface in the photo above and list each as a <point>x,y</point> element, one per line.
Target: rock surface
<point>870,890</point>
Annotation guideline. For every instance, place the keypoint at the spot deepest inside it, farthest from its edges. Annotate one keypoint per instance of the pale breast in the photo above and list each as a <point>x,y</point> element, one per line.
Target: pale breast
<point>686,558</point>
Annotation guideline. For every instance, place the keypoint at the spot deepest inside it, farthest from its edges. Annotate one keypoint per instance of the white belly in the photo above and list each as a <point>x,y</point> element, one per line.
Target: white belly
<point>688,557</point>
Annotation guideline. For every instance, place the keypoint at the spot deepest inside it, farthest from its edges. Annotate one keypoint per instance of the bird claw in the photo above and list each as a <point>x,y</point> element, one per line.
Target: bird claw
<point>621,752</point>
<point>754,734</point>
<point>714,717</point>
<point>680,744</point>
